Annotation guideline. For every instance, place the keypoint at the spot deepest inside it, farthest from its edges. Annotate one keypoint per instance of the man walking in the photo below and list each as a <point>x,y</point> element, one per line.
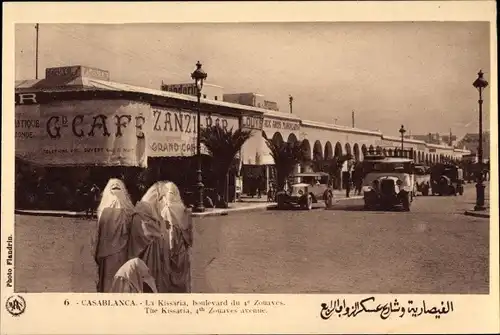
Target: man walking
<point>346,181</point>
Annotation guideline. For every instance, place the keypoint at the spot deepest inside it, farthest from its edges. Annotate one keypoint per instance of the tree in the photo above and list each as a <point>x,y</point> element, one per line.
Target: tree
<point>334,166</point>
<point>223,145</point>
<point>286,155</point>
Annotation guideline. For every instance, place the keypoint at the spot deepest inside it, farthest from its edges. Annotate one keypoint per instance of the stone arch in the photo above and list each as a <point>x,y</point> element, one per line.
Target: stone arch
<point>427,159</point>
<point>277,138</point>
<point>306,148</point>
<point>317,151</point>
<point>357,157</point>
<point>364,150</point>
<point>371,149</point>
<point>328,150</point>
<point>390,152</point>
<point>348,149</point>
<point>338,150</point>
<point>384,152</point>
<point>292,138</point>
<point>378,150</point>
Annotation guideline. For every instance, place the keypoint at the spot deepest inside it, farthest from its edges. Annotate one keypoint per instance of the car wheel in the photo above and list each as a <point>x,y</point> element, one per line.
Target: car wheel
<point>406,203</point>
<point>453,191</point>
<point>309,203</point>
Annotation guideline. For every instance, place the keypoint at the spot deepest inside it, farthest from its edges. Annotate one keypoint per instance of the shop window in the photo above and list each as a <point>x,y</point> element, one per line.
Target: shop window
<point>204,96</point>
<point>215,97</point>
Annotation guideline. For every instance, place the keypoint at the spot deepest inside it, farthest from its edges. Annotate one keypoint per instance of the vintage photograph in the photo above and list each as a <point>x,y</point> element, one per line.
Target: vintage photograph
<point>290,157</point>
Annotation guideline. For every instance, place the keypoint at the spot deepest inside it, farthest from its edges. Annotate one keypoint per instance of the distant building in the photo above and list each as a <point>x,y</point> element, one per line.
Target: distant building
<point>471,142</point>
<point>435,138</point>
<point>251,99</point>
<point>210,91</point>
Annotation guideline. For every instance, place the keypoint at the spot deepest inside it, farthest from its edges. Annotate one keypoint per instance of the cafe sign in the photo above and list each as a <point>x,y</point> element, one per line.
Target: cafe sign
<point>79,133</point>
<point>252,122</point>
<point>173,132</point>
<point>278,124</point>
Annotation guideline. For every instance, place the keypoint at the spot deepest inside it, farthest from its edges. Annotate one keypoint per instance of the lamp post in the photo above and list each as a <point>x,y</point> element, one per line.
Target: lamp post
<point>290,100</point>
<point>199,76</point>
<point>402,131</point>
<point>480,83</point>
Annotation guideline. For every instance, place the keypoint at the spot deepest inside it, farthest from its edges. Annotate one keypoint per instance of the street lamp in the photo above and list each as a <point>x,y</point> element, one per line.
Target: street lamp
<point>290,100</point>
<point>199,76</point>
<point>480,83</point>
<point>402,131</point>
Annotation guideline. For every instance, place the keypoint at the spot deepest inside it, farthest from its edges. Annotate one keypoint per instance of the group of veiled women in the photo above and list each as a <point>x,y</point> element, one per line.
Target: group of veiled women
<point>143,248</point>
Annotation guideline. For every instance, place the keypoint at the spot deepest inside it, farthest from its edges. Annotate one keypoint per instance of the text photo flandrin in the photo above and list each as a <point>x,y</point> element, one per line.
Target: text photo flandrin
<point>287,180</point>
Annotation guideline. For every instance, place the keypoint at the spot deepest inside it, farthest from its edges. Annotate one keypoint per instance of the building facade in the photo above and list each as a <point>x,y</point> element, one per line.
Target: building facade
<point>210,91</point>
<point>76,117</point>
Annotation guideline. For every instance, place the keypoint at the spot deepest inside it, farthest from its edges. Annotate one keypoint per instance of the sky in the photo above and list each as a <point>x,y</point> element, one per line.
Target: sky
<point>418,74</point>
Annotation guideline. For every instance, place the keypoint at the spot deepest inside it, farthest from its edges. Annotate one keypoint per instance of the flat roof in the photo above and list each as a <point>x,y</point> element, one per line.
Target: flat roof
<point>388,159</point>
<point>310,174</point>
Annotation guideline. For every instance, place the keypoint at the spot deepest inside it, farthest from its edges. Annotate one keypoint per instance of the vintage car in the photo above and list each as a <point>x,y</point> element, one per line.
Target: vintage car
<point>422,179</point>
<point>388,182</point>
<point>307,188</point>
<point>447,179</point>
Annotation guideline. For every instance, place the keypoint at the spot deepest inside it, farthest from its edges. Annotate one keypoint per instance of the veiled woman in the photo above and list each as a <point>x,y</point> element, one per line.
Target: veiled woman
<point>114,215</point>
<point>181,240</point>
<point>134,277</point>
<point>150,235</point>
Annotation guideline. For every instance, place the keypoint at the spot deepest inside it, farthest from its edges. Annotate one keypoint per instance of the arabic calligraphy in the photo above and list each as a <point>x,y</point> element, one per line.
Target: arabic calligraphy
<point>385,310</point>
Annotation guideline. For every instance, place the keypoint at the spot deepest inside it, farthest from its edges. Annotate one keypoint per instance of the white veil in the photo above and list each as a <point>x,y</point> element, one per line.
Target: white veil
<point>115,195</point>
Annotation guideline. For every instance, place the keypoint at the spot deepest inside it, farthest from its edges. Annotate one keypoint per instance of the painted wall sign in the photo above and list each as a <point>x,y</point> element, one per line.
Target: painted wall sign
<point>76,71</point>
<point>92,132</point>
<point>174,131</point>
<point>277,124</point>
<point>27,99</point>
<point>252,122</point>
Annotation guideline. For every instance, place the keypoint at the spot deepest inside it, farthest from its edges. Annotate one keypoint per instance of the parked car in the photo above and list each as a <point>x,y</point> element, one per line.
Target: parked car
<point>422,179</point>
<point>388,182</point>
<point>447,179</point>
<point>306,189</point>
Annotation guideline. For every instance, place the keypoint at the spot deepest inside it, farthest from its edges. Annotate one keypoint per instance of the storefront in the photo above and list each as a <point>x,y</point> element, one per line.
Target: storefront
<point>257,163</point>
<point>75,127</point>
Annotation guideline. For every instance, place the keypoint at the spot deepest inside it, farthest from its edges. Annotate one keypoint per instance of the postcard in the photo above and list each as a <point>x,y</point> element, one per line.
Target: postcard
<point>250,168</point>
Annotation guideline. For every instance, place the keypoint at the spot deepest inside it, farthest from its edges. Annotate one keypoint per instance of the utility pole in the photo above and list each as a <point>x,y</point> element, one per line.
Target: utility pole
<point>290,101</point>
<point>353,123</point>
<point>36,51</point>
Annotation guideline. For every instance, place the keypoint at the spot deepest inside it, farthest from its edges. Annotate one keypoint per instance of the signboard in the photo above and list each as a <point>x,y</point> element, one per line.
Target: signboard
<point>173,131</point>
<point>76,71</point>
<point>75,133</point>
<point>277,124</point>
<point>252,122</point>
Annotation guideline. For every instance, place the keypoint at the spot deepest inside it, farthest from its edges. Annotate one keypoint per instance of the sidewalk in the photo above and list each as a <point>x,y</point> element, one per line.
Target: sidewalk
<point>481,214</point>
<point>246,204</point>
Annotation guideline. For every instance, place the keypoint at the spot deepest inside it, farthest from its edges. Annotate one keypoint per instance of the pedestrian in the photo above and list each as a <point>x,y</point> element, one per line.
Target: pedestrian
<point>95,193</point>
<point>181,240</point>
<point>150,235</point>
<point>357,178</point>
<point>111,236</point>
<point>133,277</point>
<point>346,179</point>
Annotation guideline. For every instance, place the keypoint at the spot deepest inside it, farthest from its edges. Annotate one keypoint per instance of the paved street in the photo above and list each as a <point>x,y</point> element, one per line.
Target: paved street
<point>432,249</point>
